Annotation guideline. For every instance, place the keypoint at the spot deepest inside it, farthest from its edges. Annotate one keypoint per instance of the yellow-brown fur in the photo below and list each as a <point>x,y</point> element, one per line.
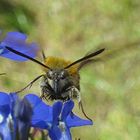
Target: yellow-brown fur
<point>60,63</point>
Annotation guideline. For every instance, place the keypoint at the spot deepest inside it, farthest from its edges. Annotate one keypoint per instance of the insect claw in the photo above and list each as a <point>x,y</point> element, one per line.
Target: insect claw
<point>81,106</point>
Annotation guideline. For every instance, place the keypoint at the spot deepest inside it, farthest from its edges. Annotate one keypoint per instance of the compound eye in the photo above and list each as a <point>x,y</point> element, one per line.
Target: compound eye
<point>50,74</point>
<point>63,74</point>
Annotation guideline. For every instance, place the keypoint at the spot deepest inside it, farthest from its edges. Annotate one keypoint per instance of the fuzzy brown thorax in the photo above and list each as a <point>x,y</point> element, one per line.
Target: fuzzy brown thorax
<point>60,63</point>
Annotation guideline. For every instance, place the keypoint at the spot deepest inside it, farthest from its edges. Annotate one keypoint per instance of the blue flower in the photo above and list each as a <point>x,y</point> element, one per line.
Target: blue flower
<point>5,117</point>
<point>57,119</point>
<point>22,118</point>
<point>15,117</point>
<point>17,41</point>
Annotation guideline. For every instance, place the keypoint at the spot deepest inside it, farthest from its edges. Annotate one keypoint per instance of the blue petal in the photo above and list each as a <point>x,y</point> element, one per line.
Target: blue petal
<point>23,114</point>
<point>14,97</point>
<point>14,36</point>
<point>33,99</point>
<point>5,133</point>
<point>57,107</point>
<point>17,41</point>
<point>23,110</point>
<point>67,108</point>
<point>5,110</point>
<point>74,121</point>
<point>55,133</point>
<point>4,98</point>
<point>66,135</point>
<point>40,124</point>
<point>41,111</point>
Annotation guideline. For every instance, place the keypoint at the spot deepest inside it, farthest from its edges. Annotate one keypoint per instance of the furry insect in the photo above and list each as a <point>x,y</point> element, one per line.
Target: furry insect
<point>61,80</point>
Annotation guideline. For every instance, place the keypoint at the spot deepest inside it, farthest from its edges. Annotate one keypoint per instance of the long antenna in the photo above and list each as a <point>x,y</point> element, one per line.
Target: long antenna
<point>26,56</point>
<point>43,55</point>
<point>85,58</point>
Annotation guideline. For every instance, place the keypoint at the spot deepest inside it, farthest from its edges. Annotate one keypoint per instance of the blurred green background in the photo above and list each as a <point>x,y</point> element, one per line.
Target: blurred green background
<point>70,28</point>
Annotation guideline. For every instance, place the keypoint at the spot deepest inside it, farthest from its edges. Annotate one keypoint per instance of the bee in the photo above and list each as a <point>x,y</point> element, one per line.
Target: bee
<point>61,80</point>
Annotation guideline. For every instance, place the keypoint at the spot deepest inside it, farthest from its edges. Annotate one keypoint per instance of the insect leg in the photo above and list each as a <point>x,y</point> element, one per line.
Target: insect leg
<point>73,92</point>
<point>30,84</point>
<point>81,106</point>
<point>46,90</point>
<point>80,102</point>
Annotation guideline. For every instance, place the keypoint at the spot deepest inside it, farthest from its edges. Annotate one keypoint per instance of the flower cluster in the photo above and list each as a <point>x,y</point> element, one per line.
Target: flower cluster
<point>18,116</point>
<point>15,117</point>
